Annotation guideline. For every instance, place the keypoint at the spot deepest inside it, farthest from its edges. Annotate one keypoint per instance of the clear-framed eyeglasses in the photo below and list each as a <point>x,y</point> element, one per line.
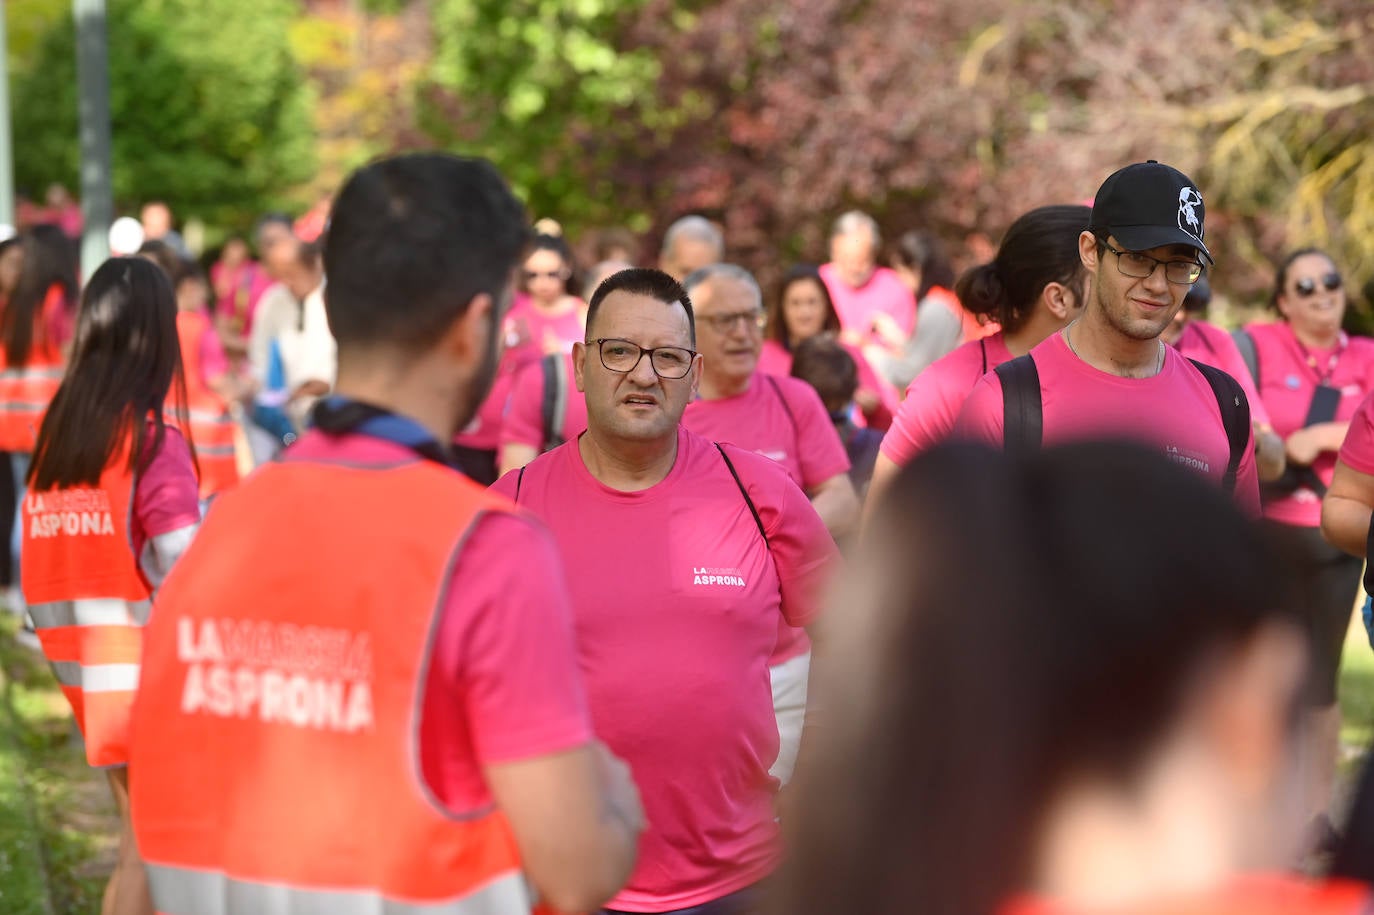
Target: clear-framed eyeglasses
<point>668,362</point>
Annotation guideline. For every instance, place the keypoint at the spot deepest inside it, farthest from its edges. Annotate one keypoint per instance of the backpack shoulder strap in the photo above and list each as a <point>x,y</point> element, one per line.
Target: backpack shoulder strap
<point>519,479</point>
<point>786,407</point>
<point>744,492</point>
<point>554,404</point>
<point>1235,417</point>
<point>1023,420</point>
<point>983,346</point>
<point>1249,352</point>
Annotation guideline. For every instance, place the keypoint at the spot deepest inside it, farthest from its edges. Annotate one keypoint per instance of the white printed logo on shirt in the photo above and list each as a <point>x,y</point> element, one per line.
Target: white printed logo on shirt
<point>1190,459</point>
<point>707,576</point>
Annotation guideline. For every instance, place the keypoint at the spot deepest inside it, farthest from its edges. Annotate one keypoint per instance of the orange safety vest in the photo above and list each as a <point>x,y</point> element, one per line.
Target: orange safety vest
<point>26,390</point>
<point>276,761</point>
<point>88,599</point>
<point>212,427</point>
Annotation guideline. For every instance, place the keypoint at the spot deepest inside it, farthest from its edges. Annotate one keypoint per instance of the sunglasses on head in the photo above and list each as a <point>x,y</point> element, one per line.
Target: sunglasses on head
<point>1307,286</point>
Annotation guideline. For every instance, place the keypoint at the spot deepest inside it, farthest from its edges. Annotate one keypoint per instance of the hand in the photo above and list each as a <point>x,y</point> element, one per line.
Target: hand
<point>620,789</point>
<point>1302,447</point>
<point>889,331</point>
<point>867,400</point>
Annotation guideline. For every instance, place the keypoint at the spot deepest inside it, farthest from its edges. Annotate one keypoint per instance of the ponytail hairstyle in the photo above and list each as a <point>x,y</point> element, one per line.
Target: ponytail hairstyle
<point>49,260</point>
<point>1040,248</point>
<point>931,791</point>
<point>125,364</point>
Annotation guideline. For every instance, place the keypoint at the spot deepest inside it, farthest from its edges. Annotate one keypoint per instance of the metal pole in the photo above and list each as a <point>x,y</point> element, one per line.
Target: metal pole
<point>93,92</point>
<point>6,143</point>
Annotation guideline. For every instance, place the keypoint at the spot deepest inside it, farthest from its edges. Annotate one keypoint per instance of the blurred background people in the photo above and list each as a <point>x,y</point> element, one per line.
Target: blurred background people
<point>874,305</point>
<point>1311,377</point>
<point>803,309</point>
<point>690,243</point>
<point>829,367</point>
<point>1074,733</point>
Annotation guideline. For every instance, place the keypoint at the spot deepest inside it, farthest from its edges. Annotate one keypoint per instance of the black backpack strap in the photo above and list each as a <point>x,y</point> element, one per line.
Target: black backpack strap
<point>1023,420</point>
<point>519,479</point>
<point>1248,352</point>
<point>786,407</point>
<point>744,492</point>
<point>983,345</point>
<point>1235,417</point>
<point>554,404</point>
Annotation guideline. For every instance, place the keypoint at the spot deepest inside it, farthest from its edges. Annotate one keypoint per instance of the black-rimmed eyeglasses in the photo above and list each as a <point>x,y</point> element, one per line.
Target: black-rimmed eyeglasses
<point>1138,266</point>
<point>668,362</point>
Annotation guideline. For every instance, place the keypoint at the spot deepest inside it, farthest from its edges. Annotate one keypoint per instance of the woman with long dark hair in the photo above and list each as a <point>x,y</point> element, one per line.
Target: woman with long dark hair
<point>803,309</point>
<point>1033,287</point>
<point>112,504</point>
<point>35,326</point>
<point>1106,722</point>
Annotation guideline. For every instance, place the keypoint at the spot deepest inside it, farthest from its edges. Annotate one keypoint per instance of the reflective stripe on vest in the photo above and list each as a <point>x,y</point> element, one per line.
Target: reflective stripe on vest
<point>184,891</point>
<point>90,611</point>
<point>96,678</point>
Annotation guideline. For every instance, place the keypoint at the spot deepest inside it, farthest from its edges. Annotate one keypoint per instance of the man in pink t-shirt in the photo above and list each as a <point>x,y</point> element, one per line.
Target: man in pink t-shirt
<point>1108,374</point>
<point>869,299</point>
<point>683,556</point>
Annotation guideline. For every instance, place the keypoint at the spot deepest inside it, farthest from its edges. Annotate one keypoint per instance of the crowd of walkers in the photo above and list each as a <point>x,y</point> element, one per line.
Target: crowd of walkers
<point>397,563</point>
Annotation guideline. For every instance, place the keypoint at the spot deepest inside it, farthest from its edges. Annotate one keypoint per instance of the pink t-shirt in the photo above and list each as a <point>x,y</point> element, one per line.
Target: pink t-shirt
<point>524,420</point>
<point>1210,344</point>
<point>1357,452</point>
<point>1174,410</point>
<point>502,681</point>
<point>935,397</point>
<point>676,601</point>
<point>783,419</point>
<point>884,293</point>
<point>166,492</point>
<point>1286,383</point>
<point>775,359</point>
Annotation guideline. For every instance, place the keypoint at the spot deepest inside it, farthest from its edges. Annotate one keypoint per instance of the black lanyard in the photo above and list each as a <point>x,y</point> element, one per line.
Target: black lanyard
<point>338,415</point>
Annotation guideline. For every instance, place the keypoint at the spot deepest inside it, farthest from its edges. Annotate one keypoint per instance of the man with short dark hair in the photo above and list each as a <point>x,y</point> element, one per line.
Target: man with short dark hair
<point>358,697</point>
<point>684,556</point>
<point>1108,373</point>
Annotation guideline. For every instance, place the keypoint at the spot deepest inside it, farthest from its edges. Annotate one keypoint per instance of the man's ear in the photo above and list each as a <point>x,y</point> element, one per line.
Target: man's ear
<point>1087,250</point>
<point>579,354</point>
<point>1059,299</point>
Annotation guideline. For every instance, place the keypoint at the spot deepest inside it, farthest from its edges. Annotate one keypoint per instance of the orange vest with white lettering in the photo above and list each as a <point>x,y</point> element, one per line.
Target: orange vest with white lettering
<point>88,599</point>
<point>212,427</point>
<point>26,390</point>
<point>276,762</point>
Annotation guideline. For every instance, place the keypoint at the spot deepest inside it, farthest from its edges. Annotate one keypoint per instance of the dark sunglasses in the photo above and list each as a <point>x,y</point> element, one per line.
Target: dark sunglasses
<point>1307,286</point>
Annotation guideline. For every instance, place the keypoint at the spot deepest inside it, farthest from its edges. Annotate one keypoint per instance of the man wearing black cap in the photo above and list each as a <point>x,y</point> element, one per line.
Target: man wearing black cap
<point>1108,374</point>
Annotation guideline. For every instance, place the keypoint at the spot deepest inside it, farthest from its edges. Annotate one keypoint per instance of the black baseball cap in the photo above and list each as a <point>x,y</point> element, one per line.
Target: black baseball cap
<point>1147,205</point>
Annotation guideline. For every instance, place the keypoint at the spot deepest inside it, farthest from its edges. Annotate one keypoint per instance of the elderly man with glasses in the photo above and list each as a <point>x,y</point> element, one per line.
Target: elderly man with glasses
<point>1108,373</point>
<point>684,556</point>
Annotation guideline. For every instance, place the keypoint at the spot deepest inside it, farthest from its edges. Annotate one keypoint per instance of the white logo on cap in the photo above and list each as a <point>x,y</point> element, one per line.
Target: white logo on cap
<point>1188,200</point>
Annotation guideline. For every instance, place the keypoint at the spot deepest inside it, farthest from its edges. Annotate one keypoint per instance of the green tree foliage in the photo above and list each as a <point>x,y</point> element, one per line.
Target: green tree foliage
<point>209,109</point>
<point>550,90</point>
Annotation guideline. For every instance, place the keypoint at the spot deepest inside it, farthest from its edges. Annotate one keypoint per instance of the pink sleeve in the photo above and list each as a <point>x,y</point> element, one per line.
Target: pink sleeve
<point>213,363</point>
<point>925,418</point>
<point>167,496</point>
<point>981,418</point>
<point>1357,452</point>
<point>803,551</point>
<point>504,649</point>
<point>819,449</point>
<point>524,420</point>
